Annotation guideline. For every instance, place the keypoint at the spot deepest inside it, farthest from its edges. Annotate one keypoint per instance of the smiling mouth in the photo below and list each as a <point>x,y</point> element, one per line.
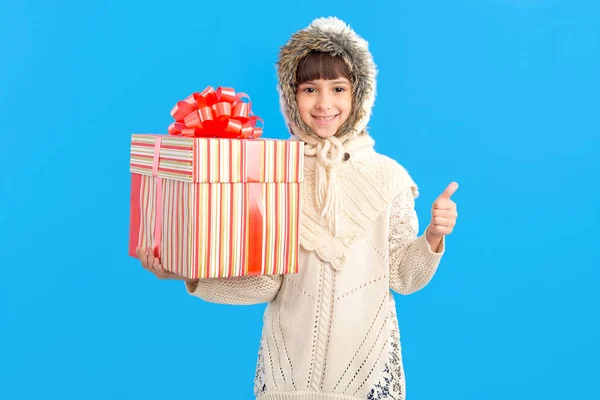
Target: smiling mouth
<point>324,119</point>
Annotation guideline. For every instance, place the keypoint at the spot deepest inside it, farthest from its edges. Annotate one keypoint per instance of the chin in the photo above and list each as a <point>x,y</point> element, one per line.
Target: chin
<point>325,135</point>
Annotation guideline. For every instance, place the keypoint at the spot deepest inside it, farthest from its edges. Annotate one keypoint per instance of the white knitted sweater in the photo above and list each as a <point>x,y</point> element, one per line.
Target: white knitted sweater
<point>330,331</point>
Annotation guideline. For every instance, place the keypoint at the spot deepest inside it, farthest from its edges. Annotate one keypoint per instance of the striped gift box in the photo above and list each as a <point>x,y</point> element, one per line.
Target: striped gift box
<point>216,207</point>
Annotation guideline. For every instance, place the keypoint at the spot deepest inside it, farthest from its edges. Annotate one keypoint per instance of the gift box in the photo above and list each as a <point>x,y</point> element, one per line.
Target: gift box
<point>214,207</point>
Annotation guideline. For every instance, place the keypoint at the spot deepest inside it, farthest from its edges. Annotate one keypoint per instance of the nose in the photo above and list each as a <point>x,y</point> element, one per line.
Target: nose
<point>323,101</point>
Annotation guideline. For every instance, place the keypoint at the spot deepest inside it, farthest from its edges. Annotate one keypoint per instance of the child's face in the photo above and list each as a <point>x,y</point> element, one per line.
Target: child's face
<point>324,104</point>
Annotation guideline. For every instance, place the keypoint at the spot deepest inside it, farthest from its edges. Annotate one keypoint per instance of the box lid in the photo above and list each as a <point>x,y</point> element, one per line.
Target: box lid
<point>214,160</point>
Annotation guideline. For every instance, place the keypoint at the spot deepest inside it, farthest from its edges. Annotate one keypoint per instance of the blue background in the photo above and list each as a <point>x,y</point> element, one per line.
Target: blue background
<point>499,95</point>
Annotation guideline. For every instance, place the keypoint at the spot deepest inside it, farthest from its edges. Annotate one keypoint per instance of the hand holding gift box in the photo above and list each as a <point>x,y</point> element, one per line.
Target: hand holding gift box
<point>210,199</point>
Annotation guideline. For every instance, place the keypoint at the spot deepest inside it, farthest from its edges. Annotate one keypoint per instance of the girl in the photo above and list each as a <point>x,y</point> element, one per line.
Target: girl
<point>330,331</point>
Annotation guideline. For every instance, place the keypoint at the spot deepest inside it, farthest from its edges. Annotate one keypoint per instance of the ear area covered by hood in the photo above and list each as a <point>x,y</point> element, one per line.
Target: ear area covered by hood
<point>333,36</point>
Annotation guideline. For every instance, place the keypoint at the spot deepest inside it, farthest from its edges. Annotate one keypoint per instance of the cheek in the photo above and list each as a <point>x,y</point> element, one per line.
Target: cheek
<point>348,104</point>
<point>347,108</point>
<point>298,102</point>
<point>303,104</point>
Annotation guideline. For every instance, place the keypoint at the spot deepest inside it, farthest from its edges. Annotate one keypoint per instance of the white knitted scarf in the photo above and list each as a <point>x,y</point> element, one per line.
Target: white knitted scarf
<point>329,154</point>
<point>340,199</point>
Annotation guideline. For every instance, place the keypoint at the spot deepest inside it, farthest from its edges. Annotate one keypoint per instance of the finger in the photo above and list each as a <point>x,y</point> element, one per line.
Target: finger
<point>449,215</point>
<point>142,257</point>
<point>150,255</point>
<point>449,191</point>
<point>160,271</point>
<point>441,221</point>
<point>444,203</point>
<point>446,213</point>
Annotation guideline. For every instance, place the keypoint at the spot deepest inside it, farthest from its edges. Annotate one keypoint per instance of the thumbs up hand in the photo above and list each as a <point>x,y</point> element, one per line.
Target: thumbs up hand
<point>443,216</point>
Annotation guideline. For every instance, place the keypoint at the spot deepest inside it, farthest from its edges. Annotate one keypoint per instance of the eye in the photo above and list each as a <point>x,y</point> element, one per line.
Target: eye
<point>309,90</point>
<point>340,89</point>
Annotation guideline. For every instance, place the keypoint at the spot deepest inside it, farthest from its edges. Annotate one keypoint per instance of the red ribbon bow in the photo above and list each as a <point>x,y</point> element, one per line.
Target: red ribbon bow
<point>215,113</point>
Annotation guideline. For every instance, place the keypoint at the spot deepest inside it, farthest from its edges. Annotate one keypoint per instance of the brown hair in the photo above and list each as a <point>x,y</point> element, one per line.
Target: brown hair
<point>321,65</point>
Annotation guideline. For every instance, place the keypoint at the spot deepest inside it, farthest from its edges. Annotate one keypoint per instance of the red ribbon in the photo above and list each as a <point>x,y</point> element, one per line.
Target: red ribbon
<point>215,113</point>
<point>256,214</point>
<point>256,208</point>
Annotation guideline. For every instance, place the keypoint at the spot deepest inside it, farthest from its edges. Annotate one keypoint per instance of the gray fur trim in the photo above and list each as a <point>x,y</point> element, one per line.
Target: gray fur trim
<point>333,36</point>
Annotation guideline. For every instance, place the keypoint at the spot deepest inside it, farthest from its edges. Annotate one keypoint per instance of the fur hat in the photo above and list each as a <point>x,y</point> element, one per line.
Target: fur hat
<point>333,36</point>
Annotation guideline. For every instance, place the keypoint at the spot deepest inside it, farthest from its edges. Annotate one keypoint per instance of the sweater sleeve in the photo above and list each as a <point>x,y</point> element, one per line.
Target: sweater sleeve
<point>412,261</point>
<point>242,290</point>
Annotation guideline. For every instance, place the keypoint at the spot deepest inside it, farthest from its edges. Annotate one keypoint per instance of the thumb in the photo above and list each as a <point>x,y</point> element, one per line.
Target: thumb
<point>449,191</point>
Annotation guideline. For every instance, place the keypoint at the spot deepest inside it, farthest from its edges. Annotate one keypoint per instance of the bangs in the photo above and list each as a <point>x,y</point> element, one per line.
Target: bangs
<point>320,65</point>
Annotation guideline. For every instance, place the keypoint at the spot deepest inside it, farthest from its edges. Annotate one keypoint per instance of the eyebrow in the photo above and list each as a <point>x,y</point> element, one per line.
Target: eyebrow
<point>335,82</point>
